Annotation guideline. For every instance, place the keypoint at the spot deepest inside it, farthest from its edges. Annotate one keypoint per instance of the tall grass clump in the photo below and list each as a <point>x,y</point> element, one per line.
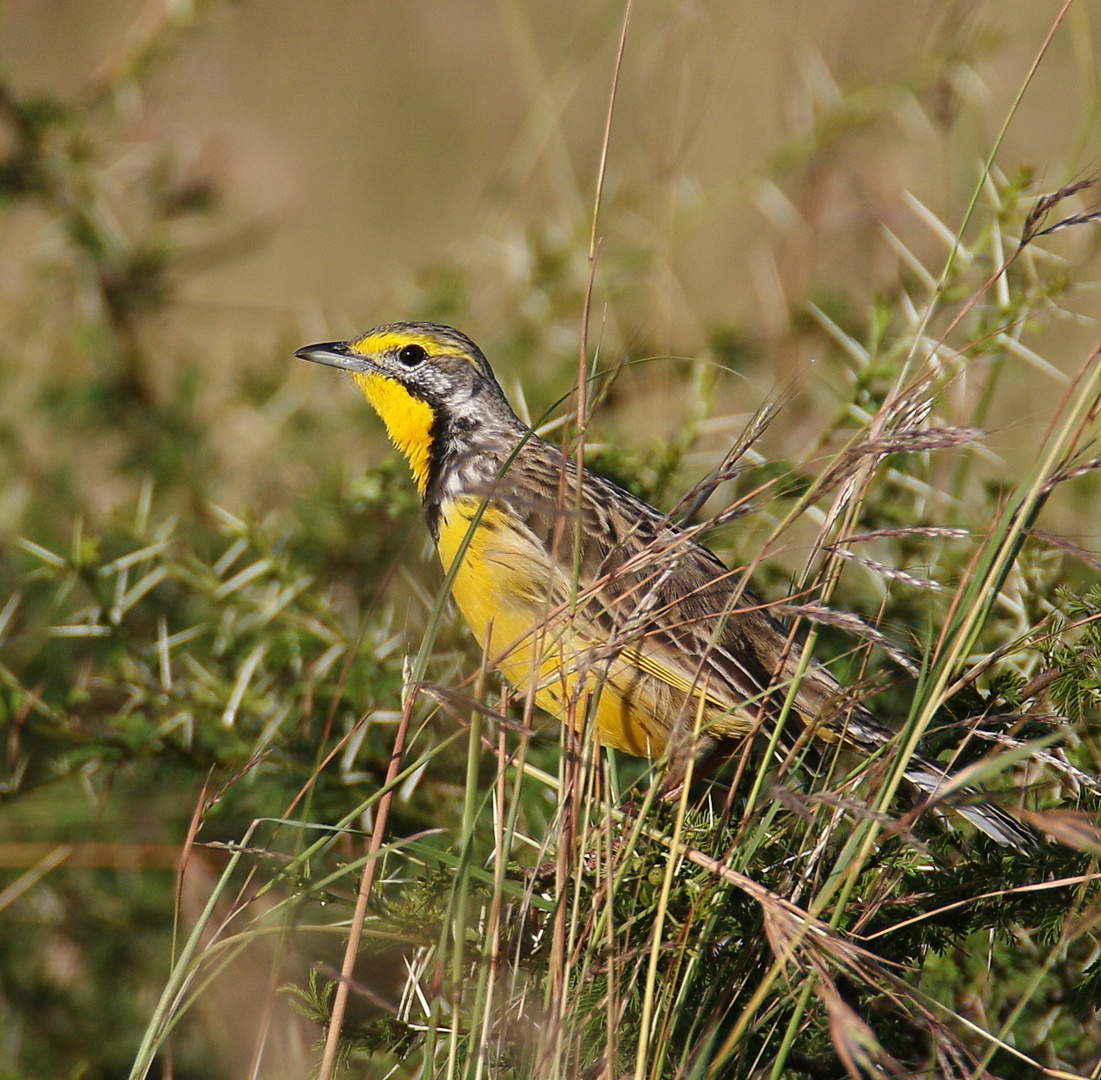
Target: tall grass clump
<point>266,811</point>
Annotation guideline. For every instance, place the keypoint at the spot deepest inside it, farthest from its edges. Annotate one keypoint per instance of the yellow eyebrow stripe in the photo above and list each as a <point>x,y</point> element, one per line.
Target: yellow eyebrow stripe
<point>392,340</point>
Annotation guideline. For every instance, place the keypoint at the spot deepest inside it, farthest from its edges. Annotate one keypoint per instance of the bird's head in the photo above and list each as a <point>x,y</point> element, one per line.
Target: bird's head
<point>431,385</point>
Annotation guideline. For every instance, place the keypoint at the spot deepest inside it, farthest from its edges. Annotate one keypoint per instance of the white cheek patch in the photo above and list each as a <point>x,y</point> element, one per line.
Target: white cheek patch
<point>465,403</point>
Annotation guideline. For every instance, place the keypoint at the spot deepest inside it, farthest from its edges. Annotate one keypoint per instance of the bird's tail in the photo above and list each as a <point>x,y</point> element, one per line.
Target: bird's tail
<point>865,730</point>
<point>928,776</point>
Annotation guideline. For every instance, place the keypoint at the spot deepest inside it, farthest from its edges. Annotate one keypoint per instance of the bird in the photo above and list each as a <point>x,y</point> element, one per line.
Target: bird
<point>599,605</point>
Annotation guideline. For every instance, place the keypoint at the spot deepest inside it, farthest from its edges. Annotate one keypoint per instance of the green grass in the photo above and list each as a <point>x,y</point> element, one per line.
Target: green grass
<point>220,681</point>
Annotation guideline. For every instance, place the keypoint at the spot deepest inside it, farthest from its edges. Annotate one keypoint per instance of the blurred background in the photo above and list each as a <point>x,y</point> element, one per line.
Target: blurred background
<point>191,191</point>
<point>367,162</point>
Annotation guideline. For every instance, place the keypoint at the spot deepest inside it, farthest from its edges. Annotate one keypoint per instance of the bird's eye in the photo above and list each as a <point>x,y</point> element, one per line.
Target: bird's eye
<point>412,355</point>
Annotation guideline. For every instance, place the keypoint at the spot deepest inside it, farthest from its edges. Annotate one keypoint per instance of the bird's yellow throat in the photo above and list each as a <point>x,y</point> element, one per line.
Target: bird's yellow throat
<point>408,420</point>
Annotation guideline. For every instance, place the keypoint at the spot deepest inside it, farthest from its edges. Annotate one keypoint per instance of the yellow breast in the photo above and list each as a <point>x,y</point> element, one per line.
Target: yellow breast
<point>516,604</point>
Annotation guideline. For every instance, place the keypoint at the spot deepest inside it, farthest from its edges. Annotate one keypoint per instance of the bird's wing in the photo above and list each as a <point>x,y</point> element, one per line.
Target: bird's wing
<point>649,592</point>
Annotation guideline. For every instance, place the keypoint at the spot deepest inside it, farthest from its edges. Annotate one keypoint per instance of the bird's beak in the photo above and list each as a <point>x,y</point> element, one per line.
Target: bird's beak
<point>334,354</point>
